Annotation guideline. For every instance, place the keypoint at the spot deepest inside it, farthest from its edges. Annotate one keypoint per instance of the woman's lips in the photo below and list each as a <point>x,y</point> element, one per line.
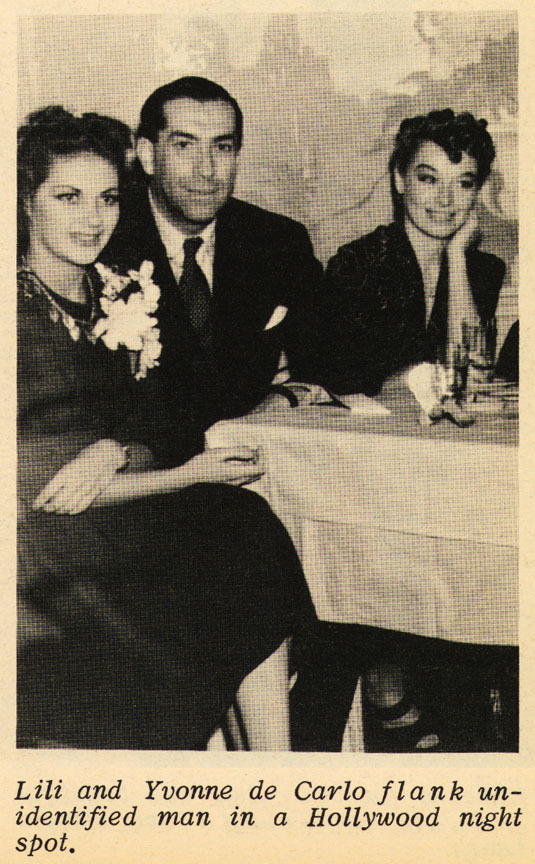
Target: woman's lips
<point>441,217</point>
<point>85,239</point>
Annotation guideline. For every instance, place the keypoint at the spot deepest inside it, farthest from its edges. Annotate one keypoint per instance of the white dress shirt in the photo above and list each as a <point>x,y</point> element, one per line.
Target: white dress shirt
<point>173,240</point>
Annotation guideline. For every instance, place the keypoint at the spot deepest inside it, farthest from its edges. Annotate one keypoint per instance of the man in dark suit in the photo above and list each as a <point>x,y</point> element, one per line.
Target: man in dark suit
<point>227,270</point>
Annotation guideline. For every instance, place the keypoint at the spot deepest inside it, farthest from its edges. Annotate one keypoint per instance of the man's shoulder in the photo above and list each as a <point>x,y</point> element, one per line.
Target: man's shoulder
<point>136,234</point>
<point>254,219</point>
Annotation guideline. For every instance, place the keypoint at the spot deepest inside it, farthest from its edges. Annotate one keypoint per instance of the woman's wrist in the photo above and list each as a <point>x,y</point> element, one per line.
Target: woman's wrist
<point>117,453</point>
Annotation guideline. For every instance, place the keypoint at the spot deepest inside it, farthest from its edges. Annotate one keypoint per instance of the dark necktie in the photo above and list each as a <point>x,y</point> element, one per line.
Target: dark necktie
<point>195,291</point>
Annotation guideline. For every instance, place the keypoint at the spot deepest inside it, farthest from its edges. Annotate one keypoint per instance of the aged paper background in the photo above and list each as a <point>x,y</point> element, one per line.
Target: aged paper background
<point>263,182</point>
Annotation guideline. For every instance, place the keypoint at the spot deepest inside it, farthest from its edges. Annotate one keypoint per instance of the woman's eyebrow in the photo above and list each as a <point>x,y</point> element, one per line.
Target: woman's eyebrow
<point>425,165</point>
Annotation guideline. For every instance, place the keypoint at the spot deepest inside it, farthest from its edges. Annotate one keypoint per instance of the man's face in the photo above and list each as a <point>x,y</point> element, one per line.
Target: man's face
<point>193,163</point>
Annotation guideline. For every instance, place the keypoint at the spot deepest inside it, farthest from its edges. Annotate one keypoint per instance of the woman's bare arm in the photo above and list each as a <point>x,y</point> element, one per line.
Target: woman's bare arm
<point>92,478</point>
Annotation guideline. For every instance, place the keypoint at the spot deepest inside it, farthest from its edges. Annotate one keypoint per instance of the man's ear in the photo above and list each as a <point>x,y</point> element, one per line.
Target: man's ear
<point>399,182</point>
<point>145,154</point>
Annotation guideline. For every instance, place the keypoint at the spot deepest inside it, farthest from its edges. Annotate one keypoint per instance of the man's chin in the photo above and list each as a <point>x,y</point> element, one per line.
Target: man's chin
<point>202,215</point>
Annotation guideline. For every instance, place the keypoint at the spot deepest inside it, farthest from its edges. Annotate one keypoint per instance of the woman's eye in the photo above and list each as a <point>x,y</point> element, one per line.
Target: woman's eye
<point>430,179</point>
<point>226,147</point>
<point>181,145</point>
<point>67,196</point>
<point>111,199</point>
<point>468,184</point>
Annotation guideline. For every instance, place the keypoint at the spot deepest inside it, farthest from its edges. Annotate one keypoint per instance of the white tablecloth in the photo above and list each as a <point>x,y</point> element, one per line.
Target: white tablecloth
<point>396,527</point>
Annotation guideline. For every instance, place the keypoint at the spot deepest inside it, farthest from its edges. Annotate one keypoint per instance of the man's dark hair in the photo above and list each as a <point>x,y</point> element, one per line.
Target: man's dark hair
<point>152,118</point>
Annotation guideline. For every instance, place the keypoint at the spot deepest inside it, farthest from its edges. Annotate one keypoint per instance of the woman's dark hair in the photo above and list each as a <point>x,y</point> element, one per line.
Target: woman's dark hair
<point>456,134</point>
<point>52,132</point>
<point>152,119</point>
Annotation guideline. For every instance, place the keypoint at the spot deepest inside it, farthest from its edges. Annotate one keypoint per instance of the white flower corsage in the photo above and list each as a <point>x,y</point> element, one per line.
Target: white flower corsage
<point>128,315</point>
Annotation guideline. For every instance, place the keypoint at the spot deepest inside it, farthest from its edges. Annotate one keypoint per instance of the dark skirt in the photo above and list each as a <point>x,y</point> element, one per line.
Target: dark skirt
<point>164,606</point>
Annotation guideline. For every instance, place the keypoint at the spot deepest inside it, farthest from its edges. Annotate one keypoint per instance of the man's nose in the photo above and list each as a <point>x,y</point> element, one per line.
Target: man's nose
<point>205,164</point>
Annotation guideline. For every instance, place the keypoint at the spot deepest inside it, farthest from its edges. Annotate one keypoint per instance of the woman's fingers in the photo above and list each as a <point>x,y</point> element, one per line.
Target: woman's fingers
<point>71,498</point>
<point>51,489</point>
<point>247,474</point>
<point>242,453</point>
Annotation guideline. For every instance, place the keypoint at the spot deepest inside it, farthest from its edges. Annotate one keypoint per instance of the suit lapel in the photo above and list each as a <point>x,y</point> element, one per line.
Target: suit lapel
<point>244,289</point>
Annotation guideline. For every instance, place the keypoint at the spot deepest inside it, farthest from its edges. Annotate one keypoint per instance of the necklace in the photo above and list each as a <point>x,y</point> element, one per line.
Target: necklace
<point>31,282</point>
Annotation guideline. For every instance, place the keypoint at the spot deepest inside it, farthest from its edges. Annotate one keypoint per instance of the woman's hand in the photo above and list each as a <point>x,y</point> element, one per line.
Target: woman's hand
<point>463,238</point>
<point>236,465</point>
<point>76,485</point>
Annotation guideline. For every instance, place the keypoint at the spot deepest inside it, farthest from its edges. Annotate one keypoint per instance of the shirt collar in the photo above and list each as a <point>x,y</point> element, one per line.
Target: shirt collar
<point>173,238</point>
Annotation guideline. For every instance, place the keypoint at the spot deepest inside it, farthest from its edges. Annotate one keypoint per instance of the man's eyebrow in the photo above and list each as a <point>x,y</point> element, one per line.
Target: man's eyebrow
<point>177,133</point>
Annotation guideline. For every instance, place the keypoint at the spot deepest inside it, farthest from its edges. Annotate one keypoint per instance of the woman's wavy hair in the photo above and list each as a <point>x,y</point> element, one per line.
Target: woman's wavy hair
<point>455,133</point>
<point>52,132</point>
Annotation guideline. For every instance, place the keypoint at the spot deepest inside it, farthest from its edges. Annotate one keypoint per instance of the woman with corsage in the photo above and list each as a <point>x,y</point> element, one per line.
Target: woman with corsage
<point>408,293</point>
<point>163,586</point>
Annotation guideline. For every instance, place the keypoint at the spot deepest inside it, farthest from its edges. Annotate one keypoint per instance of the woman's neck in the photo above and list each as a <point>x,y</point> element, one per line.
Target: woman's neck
<point>428,250</point>
<point>63,277</point>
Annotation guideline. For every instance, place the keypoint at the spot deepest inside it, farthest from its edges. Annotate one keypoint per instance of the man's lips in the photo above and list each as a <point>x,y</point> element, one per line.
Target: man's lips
<point>203,192</point>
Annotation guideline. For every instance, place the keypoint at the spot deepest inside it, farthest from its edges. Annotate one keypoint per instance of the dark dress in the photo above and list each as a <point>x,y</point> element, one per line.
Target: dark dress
<point>370,320</point>
<point>164,604</point>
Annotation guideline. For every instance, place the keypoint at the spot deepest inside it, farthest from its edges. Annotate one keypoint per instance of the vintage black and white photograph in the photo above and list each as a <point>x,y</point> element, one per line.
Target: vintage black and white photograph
<point>267,382</point>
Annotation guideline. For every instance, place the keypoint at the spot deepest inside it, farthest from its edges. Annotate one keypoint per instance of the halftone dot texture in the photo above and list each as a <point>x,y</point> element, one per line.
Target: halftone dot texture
<point>323,97</point>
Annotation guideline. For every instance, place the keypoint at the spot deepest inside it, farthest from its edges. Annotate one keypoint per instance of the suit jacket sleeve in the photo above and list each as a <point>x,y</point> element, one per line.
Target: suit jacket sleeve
<point>303,281</point>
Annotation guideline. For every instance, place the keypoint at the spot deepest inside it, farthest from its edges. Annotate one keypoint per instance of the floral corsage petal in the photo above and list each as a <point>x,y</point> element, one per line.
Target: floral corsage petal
<point>128,304</point>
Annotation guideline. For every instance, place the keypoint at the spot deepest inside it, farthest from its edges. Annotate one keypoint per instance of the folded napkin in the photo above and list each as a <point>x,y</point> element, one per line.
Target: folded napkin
<point>431,387</point>
<point>308,395</point>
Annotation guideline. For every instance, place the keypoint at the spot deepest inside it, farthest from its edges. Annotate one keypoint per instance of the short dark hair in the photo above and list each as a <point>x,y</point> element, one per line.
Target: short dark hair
<point>456,134</point>
<point>152,118</point>
<point>52,132</point>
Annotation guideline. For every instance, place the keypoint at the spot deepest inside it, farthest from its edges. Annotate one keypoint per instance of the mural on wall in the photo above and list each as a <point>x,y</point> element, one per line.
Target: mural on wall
<point>322,95</point>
